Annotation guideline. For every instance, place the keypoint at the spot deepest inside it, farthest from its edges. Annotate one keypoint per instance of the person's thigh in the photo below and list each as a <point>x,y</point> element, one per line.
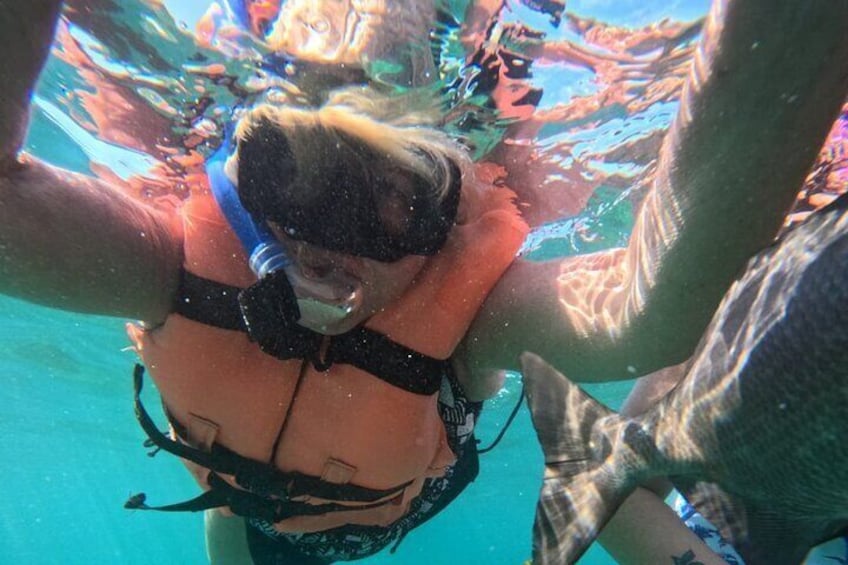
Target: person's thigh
<point>226,540</point>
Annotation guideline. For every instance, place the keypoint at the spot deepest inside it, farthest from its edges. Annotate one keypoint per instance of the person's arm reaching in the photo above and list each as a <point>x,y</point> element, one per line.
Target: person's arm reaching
<point>67,240</point>
<point>27,32</point>
<point>766,84</point>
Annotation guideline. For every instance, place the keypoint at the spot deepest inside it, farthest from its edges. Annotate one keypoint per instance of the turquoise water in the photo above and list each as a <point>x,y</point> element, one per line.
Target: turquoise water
<point>73,453</point>
<point>71,447</point>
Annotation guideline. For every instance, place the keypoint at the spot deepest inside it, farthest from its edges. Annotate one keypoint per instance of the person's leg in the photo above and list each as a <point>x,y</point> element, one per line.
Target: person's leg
<point>650,389</point>
<point>647,391</point>
<point>226,540</point>
<point>265,550</point>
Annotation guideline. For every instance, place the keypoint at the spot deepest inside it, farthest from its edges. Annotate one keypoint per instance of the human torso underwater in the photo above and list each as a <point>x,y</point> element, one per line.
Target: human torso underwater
<point>335,425</point>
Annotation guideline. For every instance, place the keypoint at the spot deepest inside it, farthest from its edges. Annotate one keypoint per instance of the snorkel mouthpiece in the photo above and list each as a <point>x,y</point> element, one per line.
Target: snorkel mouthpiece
<point>324,310</point>
<point>323,301</point>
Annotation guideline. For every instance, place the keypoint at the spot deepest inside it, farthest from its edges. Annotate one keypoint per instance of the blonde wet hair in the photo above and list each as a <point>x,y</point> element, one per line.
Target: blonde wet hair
<point>407,138</point>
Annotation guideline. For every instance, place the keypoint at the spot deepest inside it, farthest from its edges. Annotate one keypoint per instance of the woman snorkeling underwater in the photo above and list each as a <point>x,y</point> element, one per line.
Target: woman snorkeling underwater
<point>330,400</point>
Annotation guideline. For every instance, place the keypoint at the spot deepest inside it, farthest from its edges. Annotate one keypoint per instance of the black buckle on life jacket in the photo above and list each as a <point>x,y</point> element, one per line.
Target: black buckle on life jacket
<point>270,312</point>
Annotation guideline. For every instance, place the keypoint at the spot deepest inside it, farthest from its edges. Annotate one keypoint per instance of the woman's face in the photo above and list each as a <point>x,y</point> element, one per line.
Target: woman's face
<point>378,283</point>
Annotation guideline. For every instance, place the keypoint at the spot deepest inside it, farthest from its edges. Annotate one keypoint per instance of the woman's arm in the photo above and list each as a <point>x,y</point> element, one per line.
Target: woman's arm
<point>646,530</point>
<point>766,83</point>
<point>67,240</point>
<point>26,32</point>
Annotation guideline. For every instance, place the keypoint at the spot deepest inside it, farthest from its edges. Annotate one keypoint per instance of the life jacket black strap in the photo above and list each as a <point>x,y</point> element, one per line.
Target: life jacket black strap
<point>216,304</point>
<point>246,504</point>
<point>196,293</point>
<point>388,360</point>
<point>256,476</point>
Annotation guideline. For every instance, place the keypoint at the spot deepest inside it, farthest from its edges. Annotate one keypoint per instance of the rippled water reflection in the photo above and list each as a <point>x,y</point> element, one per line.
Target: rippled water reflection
<point>146,92</point>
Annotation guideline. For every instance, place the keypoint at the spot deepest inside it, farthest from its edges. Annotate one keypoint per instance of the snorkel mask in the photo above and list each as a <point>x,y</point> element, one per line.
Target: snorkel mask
<point>360,203</point>
<point>313,303</point>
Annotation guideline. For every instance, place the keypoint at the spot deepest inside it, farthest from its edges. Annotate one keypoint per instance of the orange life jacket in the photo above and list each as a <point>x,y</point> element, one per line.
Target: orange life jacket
<point>335,427</point>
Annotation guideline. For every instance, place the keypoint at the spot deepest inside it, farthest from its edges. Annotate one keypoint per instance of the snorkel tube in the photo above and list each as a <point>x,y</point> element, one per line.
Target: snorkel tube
<point>321,301</point>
